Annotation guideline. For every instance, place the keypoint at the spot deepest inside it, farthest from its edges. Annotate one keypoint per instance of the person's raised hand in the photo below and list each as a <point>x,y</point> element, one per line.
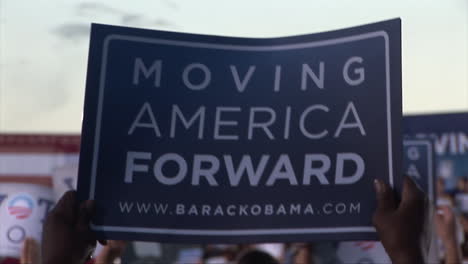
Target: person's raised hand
<point>66,236</point>
<point>445,223</point>
<point>400,226</point>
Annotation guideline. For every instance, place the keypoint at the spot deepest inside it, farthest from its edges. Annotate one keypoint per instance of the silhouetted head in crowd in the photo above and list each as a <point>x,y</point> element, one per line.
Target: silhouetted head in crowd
<point>256,257</point>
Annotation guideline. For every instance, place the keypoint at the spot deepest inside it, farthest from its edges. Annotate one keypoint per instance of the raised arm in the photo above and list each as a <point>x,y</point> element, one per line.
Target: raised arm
<point>66,236</point>
<point>400,227</point>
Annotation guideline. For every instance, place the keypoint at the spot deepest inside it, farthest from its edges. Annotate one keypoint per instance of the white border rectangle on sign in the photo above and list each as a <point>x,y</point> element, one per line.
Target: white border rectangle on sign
<point>237,232</point>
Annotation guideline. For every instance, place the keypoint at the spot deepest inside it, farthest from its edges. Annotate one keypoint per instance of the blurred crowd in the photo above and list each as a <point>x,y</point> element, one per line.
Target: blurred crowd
<point>453,203</point>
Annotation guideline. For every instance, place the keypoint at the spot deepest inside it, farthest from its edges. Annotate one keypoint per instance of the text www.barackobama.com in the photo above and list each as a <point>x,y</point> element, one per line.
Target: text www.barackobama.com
<point>239,210</point>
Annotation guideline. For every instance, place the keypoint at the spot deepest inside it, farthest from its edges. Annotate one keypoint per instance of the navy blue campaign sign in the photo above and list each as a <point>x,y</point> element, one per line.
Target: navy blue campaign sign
<point>449,135</point>
<point>193,138</point>
<point>418,163</point>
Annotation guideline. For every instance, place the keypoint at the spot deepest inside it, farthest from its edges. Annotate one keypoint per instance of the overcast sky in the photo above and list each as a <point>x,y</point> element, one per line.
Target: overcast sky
<point>44,46</point>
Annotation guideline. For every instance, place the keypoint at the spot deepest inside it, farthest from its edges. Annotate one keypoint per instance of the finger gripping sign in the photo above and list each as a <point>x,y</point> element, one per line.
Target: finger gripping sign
<point>193,138</point>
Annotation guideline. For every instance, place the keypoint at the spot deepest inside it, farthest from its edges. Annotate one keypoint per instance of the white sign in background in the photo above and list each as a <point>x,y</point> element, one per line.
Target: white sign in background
<point>22,212</point>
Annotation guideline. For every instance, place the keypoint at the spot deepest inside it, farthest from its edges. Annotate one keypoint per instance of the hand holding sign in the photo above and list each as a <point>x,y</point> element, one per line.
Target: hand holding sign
<point>400,227</point>
<point>66,236</point>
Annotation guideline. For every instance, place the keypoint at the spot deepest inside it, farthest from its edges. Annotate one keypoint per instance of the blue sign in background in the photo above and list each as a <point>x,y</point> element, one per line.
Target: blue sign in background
<point>115,102</point>
<point>448,134</point>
